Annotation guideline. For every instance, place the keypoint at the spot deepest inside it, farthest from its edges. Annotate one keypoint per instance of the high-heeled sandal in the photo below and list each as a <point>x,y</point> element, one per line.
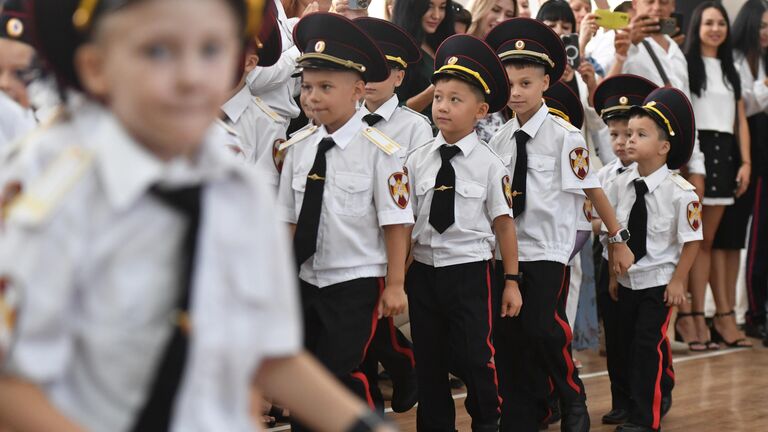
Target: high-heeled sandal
<point>694,346</point>
<point>710,344</point>
<point>738,343</point>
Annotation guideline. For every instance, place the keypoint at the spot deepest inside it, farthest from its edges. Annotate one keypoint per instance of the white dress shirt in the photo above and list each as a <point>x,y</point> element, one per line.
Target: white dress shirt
<point>480,198</point>
<point>546,231</point>
<point>673,212</point>
<point>15,121</point>
<point>97,260</point>
<point>261,130</point>
<point>407,127</point>
<point>275,84</point>
<point>607,175</point>
<point>754,91</point>
<point>357,202</point>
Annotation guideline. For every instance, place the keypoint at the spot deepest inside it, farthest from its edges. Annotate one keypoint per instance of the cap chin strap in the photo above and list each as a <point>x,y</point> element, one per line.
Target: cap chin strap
<point>349,64</point>
<point>467,71</point>
<point>527,53</point>
<point>398,60</point>
<point>652,107</point>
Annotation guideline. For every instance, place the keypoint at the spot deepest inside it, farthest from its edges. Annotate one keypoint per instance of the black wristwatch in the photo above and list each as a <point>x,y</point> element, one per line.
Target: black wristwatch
<point>367,422</point>
<point>514,277</point>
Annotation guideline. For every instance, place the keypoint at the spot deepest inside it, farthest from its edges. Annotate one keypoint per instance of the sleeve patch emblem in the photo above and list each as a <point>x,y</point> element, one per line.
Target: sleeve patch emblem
<point>9,305</point>
<point>580,162</point>
<point>588,210</point>
<point>694,215</point>
<point>506,185</point>
<point>400,189</point>
<point>278,156</point>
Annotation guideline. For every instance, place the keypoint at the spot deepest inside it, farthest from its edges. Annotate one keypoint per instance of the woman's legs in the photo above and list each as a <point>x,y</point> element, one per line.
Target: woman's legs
<point>725,265</point>
<point>700,272</point>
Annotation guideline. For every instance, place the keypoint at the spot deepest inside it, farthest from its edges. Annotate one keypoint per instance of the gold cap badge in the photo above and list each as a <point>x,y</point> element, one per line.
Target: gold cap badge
<point>453,60</point>
<point>14,27</point>
<point>623,100</point>
<point>520,45</point>
<point>320,46</point>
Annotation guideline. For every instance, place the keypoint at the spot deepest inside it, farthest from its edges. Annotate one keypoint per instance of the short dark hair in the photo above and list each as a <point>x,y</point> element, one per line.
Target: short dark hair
<point>522,63</point>
<point>475,88</point>
<point>557,10</point>
<point>461,15</point>
<point>617,118</point>
<point>663,134</point>
<point>623,7</point>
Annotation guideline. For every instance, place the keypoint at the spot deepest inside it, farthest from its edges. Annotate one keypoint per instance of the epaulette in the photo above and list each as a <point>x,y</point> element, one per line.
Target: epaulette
<point>44,193</point>
<point>16,146</point>
<point>227,128</point>
<point>382,141</point>
<point>405,108</point>
<point>683,183</point>
<point>560,121</point>
<point>298,136</point>
<point>267,110</point>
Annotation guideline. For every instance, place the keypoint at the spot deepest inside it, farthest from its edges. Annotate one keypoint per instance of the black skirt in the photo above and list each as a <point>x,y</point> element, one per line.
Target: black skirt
<point>721,158</point>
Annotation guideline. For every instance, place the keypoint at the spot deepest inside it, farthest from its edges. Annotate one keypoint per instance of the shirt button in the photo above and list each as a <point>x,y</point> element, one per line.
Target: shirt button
<point>714,175</point>
<point>714,188</point>
<point>717,147</point>
<point>715,161</point>
<point>717,134</point>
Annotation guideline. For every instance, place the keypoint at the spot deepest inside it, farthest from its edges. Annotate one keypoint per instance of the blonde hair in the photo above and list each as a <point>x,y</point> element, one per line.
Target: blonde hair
<point>479,10</point>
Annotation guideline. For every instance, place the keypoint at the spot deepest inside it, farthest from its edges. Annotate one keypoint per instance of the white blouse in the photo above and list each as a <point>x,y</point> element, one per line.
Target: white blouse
<point>754,90</point>
<point>715,109</point>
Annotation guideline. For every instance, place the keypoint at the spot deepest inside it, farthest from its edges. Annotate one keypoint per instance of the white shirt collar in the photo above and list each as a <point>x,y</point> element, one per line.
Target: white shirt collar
<point>386,110</point>
<point>653,180</point>
<point>466,144</point>
<point>236,106</point>
<point>344,135</point>
<point>532,126</point>
<point>127,169</point>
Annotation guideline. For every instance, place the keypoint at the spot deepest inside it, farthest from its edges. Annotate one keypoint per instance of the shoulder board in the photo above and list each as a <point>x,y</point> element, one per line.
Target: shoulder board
<point>267,110</point>
<point>298,136</point>
<point>15,147</point>
<point>227,127</point>
<point>385,143</point>
<point>567,126</point>
<point>681,182</point>
<point>44,193</point>
<point>405,108</point>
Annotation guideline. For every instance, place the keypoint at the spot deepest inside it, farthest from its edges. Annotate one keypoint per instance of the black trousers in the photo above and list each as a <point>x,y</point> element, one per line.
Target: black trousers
<point>394,351</point>
<point>339,323</point>
<point>536,345</point>
<point>451,310</point>
<point>608,309</point>
<point>757,255</point>
<point>643,322</point>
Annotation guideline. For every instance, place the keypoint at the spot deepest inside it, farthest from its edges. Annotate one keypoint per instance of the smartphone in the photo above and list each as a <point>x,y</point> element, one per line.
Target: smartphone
<point>359,4</point>
<point>679,18</point>
<point>612,20</point>
<point>668,26</point>
<point>572,54</point>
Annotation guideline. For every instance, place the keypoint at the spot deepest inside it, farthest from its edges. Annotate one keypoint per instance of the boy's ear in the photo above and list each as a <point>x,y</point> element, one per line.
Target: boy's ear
<point>546,81</point>
<point>665,148</point>
<point>89,63</point>
<point>359,89</point>
<point>251,62</point>
<point>482,111</point>
<point>399,76</point>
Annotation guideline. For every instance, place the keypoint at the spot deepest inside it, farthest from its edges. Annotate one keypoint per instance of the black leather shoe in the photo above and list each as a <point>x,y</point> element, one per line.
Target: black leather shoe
<point>405,394</point>
<point>616,416</point>
<point>575,417</point>
<point>756,331</point>
<point>666,405</point>
<point>630,427</point>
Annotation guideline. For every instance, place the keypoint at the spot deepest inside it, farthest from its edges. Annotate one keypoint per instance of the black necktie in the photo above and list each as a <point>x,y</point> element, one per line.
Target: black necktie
<point>638,221</point>
<point>621,170</point>
<point>305,240</point>
<point>155,415</point>
<point>372,119</point>
<point>441,211</point>
<point>521,173</point>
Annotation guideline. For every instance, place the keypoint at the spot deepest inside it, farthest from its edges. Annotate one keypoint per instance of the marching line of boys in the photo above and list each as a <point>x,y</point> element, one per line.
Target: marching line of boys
<point>487,229</point>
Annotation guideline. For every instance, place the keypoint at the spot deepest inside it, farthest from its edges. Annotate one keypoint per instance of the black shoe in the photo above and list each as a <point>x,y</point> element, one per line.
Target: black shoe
<point>756,331</point>
<point>765,341</point>
<point>575,417</point>
<point>616,416</point>
<point>630,427</point>
<point>405,394</point>
<point>666,405</point>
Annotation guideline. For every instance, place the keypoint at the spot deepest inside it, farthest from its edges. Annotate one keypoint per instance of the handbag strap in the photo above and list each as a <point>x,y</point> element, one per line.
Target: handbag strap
<point>657,63</point>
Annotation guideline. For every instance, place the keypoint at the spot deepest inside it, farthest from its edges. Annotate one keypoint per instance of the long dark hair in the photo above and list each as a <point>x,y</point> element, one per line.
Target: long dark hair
<point>697,75</point>
<point>408,14</point>
<point>746,34</point>
<point>557,10</point>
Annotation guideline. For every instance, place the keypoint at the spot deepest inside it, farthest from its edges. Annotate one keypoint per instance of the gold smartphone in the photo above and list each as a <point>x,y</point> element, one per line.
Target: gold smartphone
<point>612,20</point>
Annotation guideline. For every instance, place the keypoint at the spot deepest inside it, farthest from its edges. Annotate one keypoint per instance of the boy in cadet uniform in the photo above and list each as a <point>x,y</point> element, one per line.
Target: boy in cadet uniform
<point>344,192</point>
<point>462,197</point>
<point>663,214</point>
<point>549,163</point>
<point>612,100</point>
<point>409,129</point>
<point>382,108</point>
<point>259,129</point>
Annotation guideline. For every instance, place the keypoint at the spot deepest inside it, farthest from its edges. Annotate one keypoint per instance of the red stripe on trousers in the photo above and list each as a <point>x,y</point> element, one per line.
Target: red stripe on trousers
<point>491,364</point>
<point>568,338</point>
<point>362,378</point>
<point>670,371</point>
<point>396,345</point>
<point>657,386</point>
<point>752,240</point>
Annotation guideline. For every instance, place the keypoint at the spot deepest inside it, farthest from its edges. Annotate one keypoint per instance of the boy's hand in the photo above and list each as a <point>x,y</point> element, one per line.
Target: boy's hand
<point>511,300</point>
<point>393,301</point>
<point>613,288</point>
<point>675,293</point>
<point>621,258</point>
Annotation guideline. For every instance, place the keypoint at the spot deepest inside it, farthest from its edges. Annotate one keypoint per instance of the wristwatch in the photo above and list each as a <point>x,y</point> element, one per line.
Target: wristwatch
<point>621,237</point>
<point>513,277</point>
